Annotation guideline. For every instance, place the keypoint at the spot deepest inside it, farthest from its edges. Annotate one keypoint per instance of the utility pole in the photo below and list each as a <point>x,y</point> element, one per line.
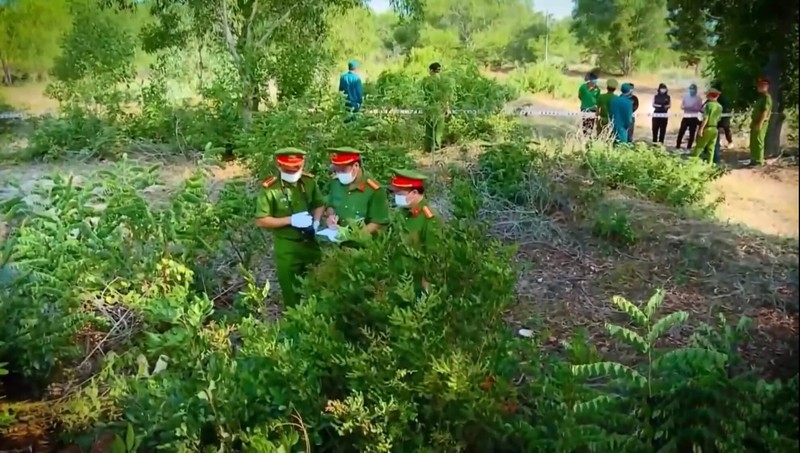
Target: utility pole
<point>546,37</point>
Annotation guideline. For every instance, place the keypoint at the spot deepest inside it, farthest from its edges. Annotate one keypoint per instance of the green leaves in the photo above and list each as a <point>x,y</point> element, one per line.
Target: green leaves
<point>610,370</point>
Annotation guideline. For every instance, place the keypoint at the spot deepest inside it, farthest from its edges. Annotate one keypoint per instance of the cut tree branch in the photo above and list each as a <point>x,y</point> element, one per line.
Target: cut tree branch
<point>226,30</point>
<point>274,26</point>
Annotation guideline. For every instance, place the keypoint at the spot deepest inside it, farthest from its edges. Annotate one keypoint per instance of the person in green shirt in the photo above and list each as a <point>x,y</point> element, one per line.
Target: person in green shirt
<point>707,133</point>
<point>587,94</point>
<point>353,196</point>
<point>419,222</point>
<point>438,94</point>
<point>759,122</point>
<point>604,105</point>
<point>290,205</point>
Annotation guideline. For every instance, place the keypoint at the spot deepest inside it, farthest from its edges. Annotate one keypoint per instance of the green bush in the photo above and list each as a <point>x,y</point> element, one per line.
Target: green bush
<point>650,171</point>
<point>543,78</point>
<point>369,362</point>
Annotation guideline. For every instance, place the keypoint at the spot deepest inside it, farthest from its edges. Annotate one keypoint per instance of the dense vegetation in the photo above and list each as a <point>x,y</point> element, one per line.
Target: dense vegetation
<point>139,322</point>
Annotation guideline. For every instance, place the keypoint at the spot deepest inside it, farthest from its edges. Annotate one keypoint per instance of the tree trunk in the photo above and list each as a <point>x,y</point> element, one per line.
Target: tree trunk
<point>7,77</point>
<point>773,71</point>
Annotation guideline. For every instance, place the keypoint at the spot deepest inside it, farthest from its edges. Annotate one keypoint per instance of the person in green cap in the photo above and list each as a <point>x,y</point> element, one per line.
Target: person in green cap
<point>350,85</point>
<point>759,121</point>
<point>707,133</point>
<point>421,224</point>
<point>587,94</point>
<point>353,195</point>
<point>604,105</point>
<point>290,205</point>
<point>438,93</point>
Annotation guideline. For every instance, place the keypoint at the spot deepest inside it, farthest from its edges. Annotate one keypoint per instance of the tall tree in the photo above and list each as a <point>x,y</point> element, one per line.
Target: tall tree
<point>30,31</point>
<point>486,28</point>
<point>97,57</point>
<point>617,30</point>
<point>749,39</point>
<point>690,33</point>
<point>282,40</point>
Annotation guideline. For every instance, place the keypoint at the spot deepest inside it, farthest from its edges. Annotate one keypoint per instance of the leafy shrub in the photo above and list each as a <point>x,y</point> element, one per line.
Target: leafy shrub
<point>75,131</point>
<point>81,237</point>
<point>505,166</point>
<point>680,400</point>
<point>650,171</point>
<point>542,78</point>
<point>384,139</point>
<point>611,222</point>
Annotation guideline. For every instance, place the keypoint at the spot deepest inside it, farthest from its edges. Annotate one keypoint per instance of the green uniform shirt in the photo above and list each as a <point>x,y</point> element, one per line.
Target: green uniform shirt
<point>604,105</point>
<point>712,113</point>
<point>366,201</point>
<point>588,96</point>
<point>421,225</point>
<point>438,93</point>
<point>281,199</point>
<point>764,104</point>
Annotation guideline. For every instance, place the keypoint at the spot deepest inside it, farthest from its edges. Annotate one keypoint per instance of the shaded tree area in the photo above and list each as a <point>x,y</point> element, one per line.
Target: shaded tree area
<point>30,31</point>
<point>747,39</point>
<point>618,31</point>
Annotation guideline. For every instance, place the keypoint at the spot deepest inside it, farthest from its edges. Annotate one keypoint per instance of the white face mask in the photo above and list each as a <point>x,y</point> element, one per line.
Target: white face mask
<point>291,177</point>
<point>400,200</point>
<point>662,90</point>
<point>345,178</point>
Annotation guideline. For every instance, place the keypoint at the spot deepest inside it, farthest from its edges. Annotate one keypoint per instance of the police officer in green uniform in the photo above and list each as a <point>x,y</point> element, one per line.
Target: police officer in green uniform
<point>291,206</point>
<point>708,132</point>
<point>438,93</point>
<point>419,221</point>
<point>353,195</point>
<point>759,122</point>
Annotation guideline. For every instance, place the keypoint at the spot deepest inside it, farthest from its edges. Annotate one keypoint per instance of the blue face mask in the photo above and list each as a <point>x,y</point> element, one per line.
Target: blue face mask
<point>692,92</point>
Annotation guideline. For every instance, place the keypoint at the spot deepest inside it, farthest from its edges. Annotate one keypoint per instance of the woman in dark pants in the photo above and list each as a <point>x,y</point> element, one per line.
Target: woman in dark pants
<point>661,104</point>
<point>635,101</point>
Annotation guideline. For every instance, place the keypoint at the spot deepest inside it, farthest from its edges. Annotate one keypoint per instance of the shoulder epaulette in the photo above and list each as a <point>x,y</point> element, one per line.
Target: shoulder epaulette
<point>310,175</point>
<point>269,181</point>
<point>373,184</point>
<point>426,211</point>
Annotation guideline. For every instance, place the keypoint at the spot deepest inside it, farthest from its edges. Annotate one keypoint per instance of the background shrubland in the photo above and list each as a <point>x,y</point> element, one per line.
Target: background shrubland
<point>138,302</point>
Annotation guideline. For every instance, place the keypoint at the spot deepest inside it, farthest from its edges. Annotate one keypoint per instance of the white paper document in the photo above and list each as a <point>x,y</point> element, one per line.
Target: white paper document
<point>331,235</point>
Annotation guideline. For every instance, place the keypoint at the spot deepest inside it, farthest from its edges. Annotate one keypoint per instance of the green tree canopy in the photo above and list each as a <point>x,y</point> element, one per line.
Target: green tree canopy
<point>30,31</point>
<point>617,31</point>
<point>748,39</point>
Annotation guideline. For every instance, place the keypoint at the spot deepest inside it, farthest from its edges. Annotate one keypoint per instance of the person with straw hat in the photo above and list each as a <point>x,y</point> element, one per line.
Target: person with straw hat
<point>290,206</point>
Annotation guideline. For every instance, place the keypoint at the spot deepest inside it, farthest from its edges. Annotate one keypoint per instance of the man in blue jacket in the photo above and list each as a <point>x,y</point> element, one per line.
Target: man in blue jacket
<point>622,114</point>
<point>350,85</point>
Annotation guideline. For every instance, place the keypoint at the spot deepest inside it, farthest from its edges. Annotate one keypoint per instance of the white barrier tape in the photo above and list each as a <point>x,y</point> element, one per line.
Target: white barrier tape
<point>560,113</point>
<point>519,112</point>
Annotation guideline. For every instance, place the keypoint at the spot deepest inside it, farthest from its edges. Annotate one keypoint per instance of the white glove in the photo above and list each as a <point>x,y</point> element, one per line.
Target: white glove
<point>316,225</point>
<point>302,220</point>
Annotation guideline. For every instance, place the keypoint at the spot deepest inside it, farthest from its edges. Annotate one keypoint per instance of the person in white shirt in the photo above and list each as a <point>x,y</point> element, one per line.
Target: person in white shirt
<point>692,106</point>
